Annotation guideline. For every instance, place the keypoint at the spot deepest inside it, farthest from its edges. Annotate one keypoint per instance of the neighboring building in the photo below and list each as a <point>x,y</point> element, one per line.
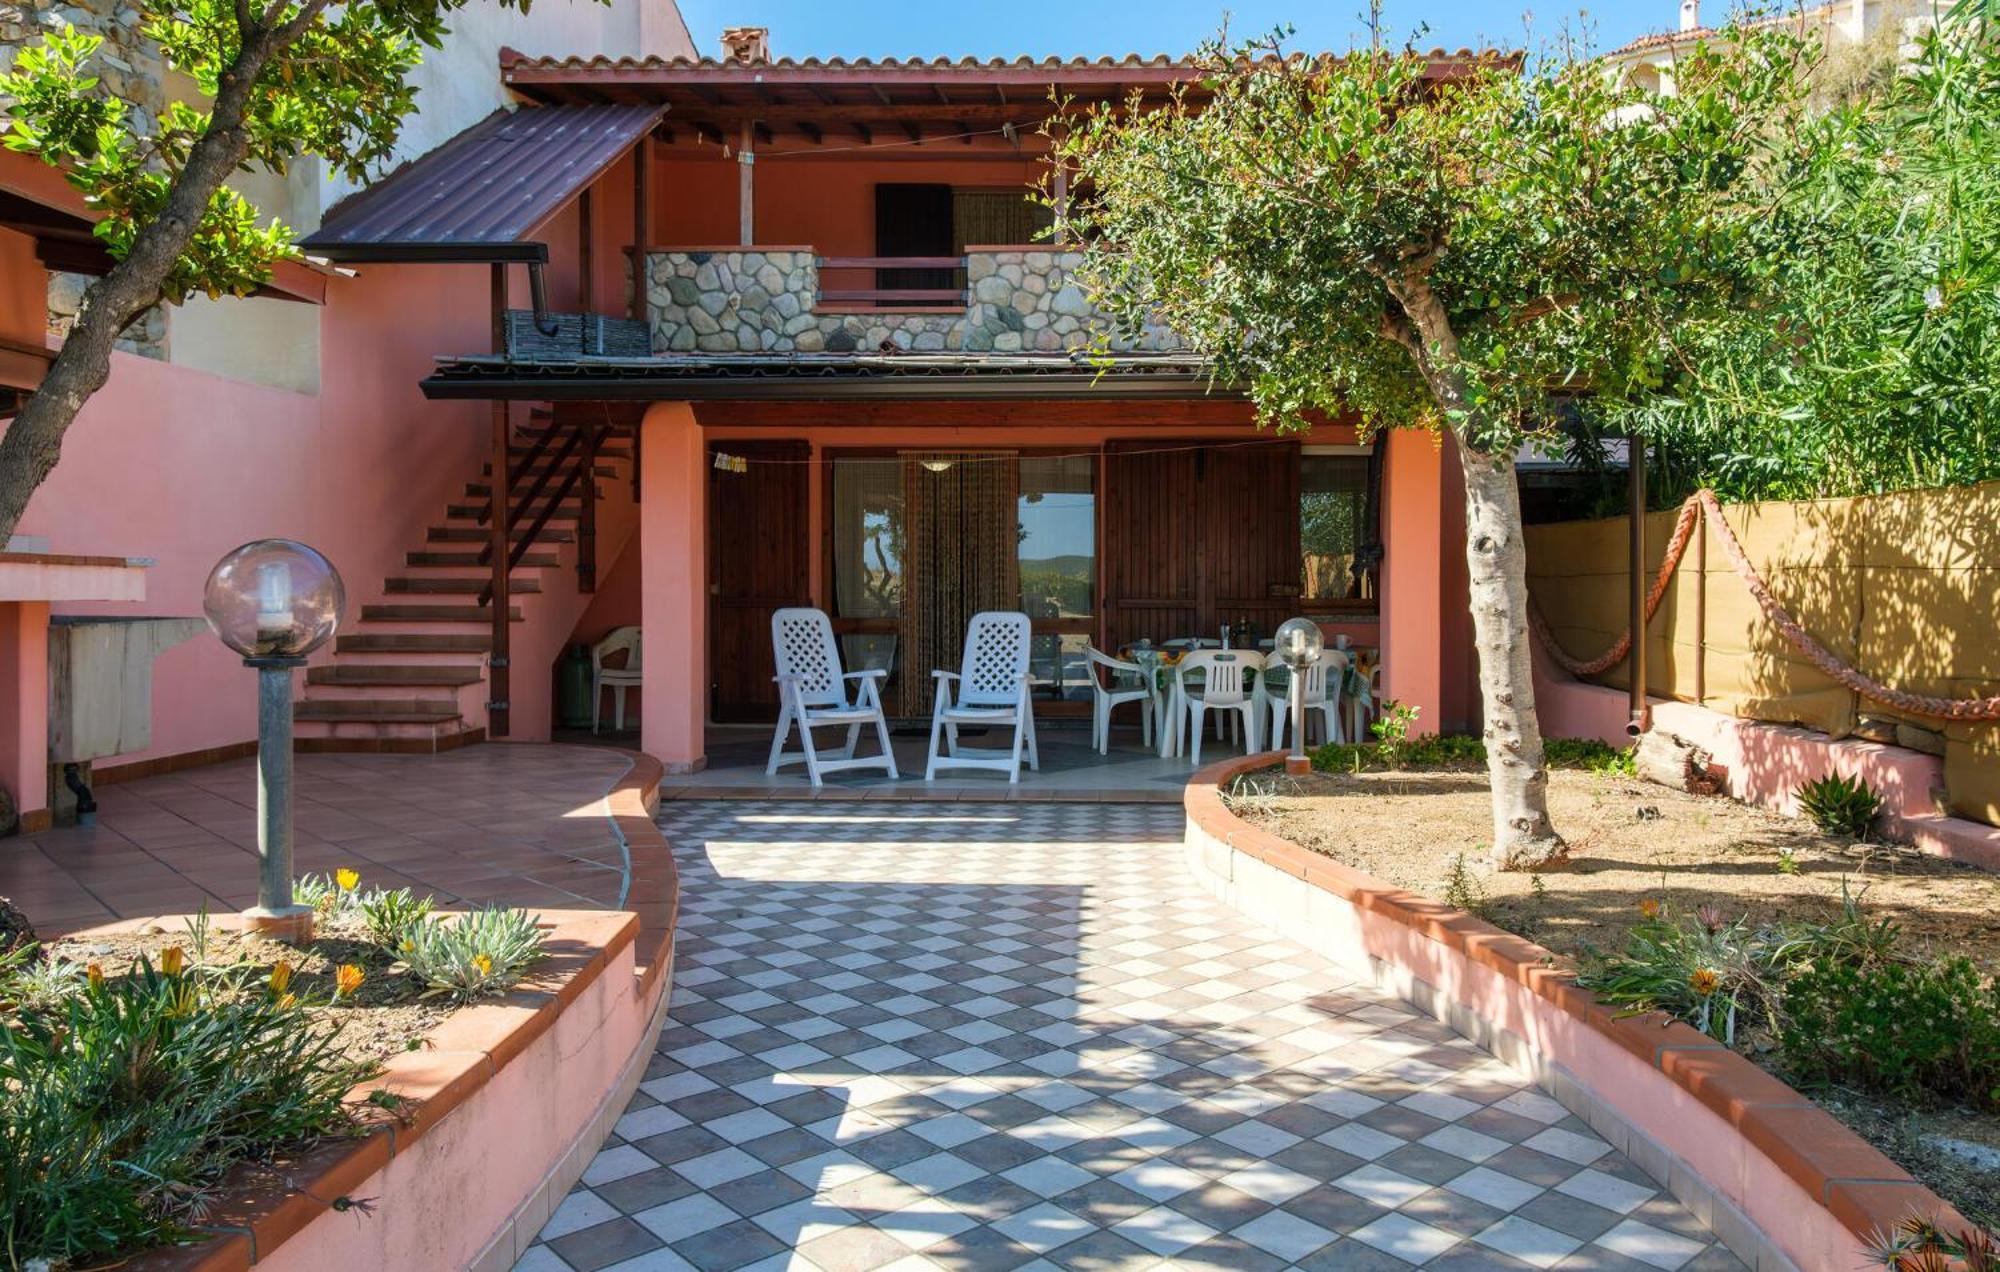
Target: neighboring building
<point>1850,31</point>
<point>850,378</point>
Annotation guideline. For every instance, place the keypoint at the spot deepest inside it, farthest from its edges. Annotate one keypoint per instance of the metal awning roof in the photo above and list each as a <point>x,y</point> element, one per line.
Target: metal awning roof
<point>822,376</point>
<point>482,195</point>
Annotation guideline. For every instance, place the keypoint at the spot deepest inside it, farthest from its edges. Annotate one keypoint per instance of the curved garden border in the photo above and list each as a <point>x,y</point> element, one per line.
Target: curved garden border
<point>1779,1180</point>
<point>502,1110</point>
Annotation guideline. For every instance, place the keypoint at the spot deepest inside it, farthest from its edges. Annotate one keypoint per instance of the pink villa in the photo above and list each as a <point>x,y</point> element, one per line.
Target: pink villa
<point>849,308</point>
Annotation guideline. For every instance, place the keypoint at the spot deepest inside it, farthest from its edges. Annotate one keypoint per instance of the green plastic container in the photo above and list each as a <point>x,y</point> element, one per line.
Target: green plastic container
<point>573,688</point>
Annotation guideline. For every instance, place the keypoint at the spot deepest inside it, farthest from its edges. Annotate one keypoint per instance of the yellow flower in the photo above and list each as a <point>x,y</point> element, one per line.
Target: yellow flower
<point>281,976</point>
<point>1649,908</point>
<point>346,979</point>
<point>346,878</point>
<point>180,1000</point>
<point>484,963</point>
<point>408,945</point>
<point>171,960</point>
<point>95,973</point>
<point>1703,981</point>
<point>289,1000</point>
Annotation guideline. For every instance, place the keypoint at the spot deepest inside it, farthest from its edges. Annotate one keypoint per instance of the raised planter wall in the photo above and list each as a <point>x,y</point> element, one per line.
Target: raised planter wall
<point>767,299</point>
<point>1780,1181</point>
<point>504,1107</point>
<point>1766,764</point>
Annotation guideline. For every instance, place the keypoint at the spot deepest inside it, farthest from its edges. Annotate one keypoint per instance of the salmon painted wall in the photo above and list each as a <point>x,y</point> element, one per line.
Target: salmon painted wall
<point>1428,648</point>
<point>800,200</point>
<point>181,466</point>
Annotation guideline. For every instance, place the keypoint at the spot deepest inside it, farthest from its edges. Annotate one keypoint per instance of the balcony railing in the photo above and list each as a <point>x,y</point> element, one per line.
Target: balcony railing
<point>879,267</point>
<point>1002,299</point>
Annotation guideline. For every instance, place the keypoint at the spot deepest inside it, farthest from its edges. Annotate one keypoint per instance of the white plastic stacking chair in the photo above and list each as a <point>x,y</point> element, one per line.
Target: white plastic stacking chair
<point>616,679</point>
<point>1129,682</point>
<point>1322,683</point>
<point>992,686</point>
<point>813,692</point>
<point>1224,686</point>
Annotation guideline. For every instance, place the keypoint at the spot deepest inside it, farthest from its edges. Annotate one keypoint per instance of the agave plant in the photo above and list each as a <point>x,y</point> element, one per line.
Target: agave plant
<point>1840,805</point>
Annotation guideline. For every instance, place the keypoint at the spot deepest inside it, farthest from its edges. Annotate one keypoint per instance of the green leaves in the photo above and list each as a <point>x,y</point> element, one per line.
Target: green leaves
<point>1429,247</point>
<point>324,81</point>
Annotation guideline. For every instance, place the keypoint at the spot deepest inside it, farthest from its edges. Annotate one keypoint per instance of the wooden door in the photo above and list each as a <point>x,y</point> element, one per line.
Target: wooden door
<point>1251,565</point>
<point>1149,562</point>
<point>757,563</point>
<point>913,219</point>
<point>1198,536</point>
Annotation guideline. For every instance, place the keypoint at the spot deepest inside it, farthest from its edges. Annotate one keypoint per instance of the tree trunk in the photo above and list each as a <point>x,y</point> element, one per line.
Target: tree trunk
<point>1497,561</point>
<point>1497,564</point>
<point>33,442</point>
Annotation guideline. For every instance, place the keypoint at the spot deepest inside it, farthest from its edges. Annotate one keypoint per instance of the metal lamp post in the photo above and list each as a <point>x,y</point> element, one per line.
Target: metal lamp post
<point>274,601</point>
<point>1298,641</point>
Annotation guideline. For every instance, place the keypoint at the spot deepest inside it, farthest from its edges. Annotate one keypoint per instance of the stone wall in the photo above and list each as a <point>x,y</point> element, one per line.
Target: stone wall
<point>748,301</point>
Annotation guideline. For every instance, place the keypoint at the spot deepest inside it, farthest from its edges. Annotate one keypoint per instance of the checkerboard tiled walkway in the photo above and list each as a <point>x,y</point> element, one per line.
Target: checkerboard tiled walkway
<point>1018,1036</point>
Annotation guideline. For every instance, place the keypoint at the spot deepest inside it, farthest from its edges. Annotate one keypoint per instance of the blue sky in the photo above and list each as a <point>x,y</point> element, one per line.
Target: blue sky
<point>1008,28</point>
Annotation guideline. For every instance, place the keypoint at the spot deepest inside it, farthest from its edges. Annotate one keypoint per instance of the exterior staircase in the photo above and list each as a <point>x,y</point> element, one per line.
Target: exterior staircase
<point>409,670</point>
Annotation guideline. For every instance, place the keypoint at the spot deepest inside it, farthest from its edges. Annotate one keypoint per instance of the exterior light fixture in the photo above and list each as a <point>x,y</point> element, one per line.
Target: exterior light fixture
<point>937,465</point>
<point>1298,642</point>
<point>274,601</point>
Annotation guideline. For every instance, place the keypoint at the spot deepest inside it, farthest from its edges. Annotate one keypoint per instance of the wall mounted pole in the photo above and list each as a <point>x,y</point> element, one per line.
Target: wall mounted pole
<point>499,524</point>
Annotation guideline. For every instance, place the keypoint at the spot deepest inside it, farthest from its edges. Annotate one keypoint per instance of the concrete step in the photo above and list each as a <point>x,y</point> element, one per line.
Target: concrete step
<point>377,710</point>
<point>481,511</point>
<point>398,675</point>
<point>480,534</point>
<point>413,643</point>
<point>418,613</point>
<point>483,490</point>
<point>469,559</point>
<point>473,586</point>
<point>609,450</point>
<point>535,469</point>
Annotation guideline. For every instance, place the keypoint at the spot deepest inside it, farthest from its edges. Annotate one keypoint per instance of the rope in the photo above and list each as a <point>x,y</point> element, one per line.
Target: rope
<point>1703,504</point>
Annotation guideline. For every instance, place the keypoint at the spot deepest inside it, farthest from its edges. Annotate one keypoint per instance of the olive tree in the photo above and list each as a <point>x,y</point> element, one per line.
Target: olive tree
<point>276,80</point>
<point>1451,246</point>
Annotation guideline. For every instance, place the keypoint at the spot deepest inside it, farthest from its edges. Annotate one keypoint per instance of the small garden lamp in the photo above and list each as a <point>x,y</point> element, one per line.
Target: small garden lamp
<point>274,601</point>
<point>1298,642</point>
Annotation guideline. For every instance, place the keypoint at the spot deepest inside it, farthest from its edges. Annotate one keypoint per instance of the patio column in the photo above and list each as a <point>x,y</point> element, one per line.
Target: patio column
<point>24,708</point>
<point>673,547</point>
<point>1414,508</point>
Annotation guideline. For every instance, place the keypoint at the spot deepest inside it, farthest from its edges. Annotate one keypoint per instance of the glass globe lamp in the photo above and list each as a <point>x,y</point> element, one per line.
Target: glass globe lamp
<point>274,598</point>
<point>1298,641</point>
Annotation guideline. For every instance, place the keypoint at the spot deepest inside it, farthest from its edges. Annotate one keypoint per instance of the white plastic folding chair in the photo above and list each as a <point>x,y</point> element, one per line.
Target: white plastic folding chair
<point>617,679</point>
<point>1224,686</point>
<point>1322,683</point>
<point>992,684</point>
<point>1128,682</point>
<point>813,692</point>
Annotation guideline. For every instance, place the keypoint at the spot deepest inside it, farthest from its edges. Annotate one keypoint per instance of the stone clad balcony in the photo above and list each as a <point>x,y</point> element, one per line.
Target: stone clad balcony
<point>1006,299</point>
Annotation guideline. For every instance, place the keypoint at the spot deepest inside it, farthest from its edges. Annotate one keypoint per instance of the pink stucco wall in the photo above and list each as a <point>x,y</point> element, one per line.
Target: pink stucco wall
<point>181,466</point>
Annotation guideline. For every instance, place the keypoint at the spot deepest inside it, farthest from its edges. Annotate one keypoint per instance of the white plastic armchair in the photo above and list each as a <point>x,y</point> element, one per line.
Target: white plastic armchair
<point>1322,684</point>
<point>992,688</point>
<point>617,679</point>
<point>1224,685</point>
<point>813,692</point>
<point>1128,682</point>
